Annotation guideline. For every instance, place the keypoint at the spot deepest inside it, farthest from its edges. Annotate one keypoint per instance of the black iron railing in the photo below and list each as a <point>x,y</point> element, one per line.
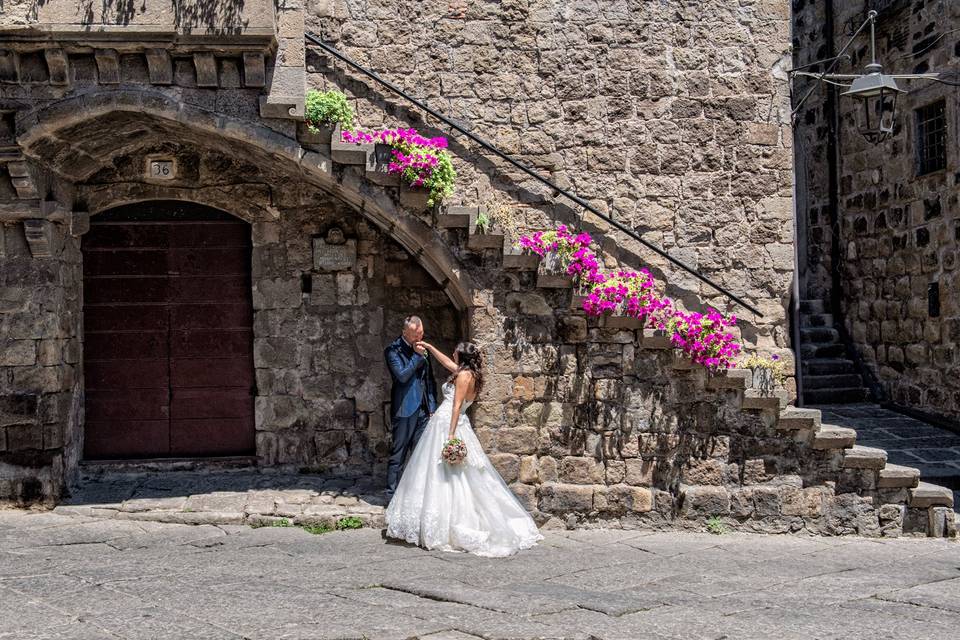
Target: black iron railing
<point>314,39</point>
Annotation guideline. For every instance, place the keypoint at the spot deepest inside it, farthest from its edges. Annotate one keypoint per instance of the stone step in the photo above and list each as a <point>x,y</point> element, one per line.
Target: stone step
<point>819,335</point>
<point>516,261</point>
<point>479,241</point>
<point>413,198</point>
<point>895,476</point>
<point>822,350</point>
<point>756,399</point>
<point>349,153</point>
<point>860,457</point>
<point>840,395</point>
<point>378,167</point>
<point>827,366</point>
<point>730,379</point>
<point>653,339</point>
<point>622,322</point>
<point>812,306</point>
<point>554,281</point>
<point>457,217</point>
<point>794,419</point>
<point>833,437</point>
<point>832,381</point>
<point>930,495</point>
<point>816,320</point>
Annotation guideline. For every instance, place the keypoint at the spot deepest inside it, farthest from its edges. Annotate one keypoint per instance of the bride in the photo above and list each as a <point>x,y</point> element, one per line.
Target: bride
<point>462,507</point>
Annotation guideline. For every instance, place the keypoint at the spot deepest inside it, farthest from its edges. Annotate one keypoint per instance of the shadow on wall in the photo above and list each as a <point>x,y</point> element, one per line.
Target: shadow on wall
<point>552,207</point>
<point>215,17</point>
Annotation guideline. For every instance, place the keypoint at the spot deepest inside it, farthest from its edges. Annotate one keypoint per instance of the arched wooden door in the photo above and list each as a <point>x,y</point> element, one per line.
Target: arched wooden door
<point>168,338</point>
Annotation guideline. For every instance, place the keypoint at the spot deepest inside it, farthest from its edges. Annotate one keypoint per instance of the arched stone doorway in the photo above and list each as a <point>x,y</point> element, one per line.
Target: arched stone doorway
<point>168,333</point>
<point>318,329</point>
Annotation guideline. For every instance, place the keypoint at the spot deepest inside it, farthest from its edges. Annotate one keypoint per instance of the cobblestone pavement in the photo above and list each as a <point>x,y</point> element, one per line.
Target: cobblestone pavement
<point>82,578</point>
<point>239,496</point>
<point>909,442</point>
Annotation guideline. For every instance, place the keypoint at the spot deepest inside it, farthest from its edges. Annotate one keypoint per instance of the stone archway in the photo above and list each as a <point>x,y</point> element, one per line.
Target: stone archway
<point>167,333</point>
<point>318,326</point>
<point>66,138</point>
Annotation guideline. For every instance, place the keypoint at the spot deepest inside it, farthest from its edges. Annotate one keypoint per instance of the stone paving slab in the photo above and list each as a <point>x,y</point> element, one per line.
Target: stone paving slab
<point>72,576</point>
<point>907,441</point>
<point>224,497</point>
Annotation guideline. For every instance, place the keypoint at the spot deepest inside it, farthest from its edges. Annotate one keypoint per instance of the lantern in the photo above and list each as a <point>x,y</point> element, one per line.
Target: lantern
<point>877,94</point>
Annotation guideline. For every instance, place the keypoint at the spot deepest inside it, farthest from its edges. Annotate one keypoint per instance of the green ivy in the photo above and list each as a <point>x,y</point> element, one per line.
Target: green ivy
<point>328,108</point>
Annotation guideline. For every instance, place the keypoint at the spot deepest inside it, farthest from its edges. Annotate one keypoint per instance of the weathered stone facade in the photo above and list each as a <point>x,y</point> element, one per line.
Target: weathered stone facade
<point>673,118</point>
<point>899,231</point>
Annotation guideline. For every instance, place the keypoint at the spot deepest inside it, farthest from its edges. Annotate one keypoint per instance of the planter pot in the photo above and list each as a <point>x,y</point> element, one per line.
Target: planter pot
<point>378,166</point>
<point>320,137</point>
<point>414,198</point>
<point>763,381</point>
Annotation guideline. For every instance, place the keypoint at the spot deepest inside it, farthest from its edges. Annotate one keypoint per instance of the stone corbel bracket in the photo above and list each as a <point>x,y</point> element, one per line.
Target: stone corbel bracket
<point>39,235</point>
<point>37,217</point>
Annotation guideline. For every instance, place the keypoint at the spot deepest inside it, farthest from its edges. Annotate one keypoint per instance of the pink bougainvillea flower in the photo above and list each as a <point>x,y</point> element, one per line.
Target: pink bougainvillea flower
<point>705,338</point>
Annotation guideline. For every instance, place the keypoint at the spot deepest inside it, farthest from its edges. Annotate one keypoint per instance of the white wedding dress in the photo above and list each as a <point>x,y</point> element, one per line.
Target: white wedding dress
<point>464,507</point>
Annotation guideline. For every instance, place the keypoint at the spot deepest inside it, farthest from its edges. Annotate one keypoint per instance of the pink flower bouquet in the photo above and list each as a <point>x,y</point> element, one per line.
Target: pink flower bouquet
<point>454,451</point>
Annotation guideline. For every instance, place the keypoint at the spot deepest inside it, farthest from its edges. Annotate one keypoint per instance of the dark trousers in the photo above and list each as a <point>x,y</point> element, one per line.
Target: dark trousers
<point>406,434</point>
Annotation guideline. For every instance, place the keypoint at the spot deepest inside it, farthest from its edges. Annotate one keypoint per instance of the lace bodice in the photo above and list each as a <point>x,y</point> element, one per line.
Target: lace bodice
<point>448,389</point>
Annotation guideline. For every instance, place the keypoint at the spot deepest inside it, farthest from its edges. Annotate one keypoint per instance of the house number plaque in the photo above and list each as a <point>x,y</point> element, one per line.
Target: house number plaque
<point>161,169</point>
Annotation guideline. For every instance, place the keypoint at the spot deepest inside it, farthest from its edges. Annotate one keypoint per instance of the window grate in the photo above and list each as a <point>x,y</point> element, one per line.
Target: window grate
<point>931,138</point>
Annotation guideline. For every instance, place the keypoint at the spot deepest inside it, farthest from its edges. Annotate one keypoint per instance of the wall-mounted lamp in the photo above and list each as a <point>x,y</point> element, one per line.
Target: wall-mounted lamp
<point>875,90</point>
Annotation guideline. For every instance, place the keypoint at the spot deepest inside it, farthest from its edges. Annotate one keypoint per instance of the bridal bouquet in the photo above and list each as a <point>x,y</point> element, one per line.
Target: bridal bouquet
<point>454,451</point>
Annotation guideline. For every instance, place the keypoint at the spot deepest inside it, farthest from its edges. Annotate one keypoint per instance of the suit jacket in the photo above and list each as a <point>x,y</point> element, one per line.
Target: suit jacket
<point>413,384</point>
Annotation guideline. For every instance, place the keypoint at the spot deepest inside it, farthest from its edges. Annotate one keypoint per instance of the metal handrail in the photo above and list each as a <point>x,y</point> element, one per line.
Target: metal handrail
<point>314,39</point>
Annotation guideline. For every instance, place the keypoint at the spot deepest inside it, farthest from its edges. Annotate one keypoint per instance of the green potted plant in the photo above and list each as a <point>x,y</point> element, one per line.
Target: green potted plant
<point>325,114</point>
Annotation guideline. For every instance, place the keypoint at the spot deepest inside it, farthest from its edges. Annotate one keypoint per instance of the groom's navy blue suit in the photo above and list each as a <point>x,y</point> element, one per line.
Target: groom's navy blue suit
<point>412,399</point>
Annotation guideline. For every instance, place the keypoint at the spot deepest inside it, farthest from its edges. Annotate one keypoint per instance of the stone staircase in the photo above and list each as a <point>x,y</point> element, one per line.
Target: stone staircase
<point>829,375</point>
<point>917,506</point>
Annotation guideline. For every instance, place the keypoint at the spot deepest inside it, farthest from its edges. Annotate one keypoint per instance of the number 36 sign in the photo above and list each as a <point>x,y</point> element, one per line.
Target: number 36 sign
<point>161,169</point>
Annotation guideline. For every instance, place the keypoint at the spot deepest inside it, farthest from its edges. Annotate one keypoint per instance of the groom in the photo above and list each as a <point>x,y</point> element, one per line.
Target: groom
<point>413,398</point>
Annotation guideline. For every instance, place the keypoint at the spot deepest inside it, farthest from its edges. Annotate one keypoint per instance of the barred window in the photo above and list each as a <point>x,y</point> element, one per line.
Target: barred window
<point>931,138</point>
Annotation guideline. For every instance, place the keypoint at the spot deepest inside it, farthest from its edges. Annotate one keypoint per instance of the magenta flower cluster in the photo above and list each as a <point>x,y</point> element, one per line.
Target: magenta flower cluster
<point>421,161</point>
<point>705,338</point>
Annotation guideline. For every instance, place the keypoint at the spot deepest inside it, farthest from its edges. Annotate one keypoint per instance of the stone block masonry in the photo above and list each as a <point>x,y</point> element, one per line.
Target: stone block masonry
<point>897,222</point>
<point>671,117</point>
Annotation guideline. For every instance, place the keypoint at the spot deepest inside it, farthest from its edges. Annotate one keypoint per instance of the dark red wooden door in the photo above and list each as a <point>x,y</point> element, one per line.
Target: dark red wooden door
<point>168,339</point>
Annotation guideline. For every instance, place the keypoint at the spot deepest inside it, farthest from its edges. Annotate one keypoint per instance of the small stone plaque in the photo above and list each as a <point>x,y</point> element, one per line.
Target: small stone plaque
<point>161,169</point>
<point>334,257</point>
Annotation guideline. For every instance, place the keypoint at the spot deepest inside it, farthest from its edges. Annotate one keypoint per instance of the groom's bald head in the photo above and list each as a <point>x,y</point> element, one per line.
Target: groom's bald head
<point>413,329</point>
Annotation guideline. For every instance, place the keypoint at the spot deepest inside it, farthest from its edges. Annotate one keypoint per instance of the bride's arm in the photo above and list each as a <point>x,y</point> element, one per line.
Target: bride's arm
<point>462,387</point>
<point>447,363</point>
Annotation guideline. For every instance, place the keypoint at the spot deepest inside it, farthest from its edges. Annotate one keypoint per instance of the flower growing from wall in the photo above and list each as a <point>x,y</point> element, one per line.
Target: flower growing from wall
<point>767,372</point>
<point>421,162</point>
<point>705,338</point>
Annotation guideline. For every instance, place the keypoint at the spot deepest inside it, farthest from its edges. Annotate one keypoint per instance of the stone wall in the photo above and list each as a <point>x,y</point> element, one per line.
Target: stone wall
<point>673,117</point>
<point>322,385</point>
<point>814,229</point>
<point>40,377</point>
<point>588,420</point>
<point>899,230</point>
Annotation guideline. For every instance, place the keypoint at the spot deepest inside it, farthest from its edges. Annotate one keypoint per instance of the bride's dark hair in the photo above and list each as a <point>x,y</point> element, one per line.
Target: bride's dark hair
<point>469,359</point>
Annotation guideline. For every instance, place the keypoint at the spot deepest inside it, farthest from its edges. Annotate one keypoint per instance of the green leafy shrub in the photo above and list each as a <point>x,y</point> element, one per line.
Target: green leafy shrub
<point>715,526</point>
<point>316,529</point>
<point>328,108</point>
<point>349,522</point>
